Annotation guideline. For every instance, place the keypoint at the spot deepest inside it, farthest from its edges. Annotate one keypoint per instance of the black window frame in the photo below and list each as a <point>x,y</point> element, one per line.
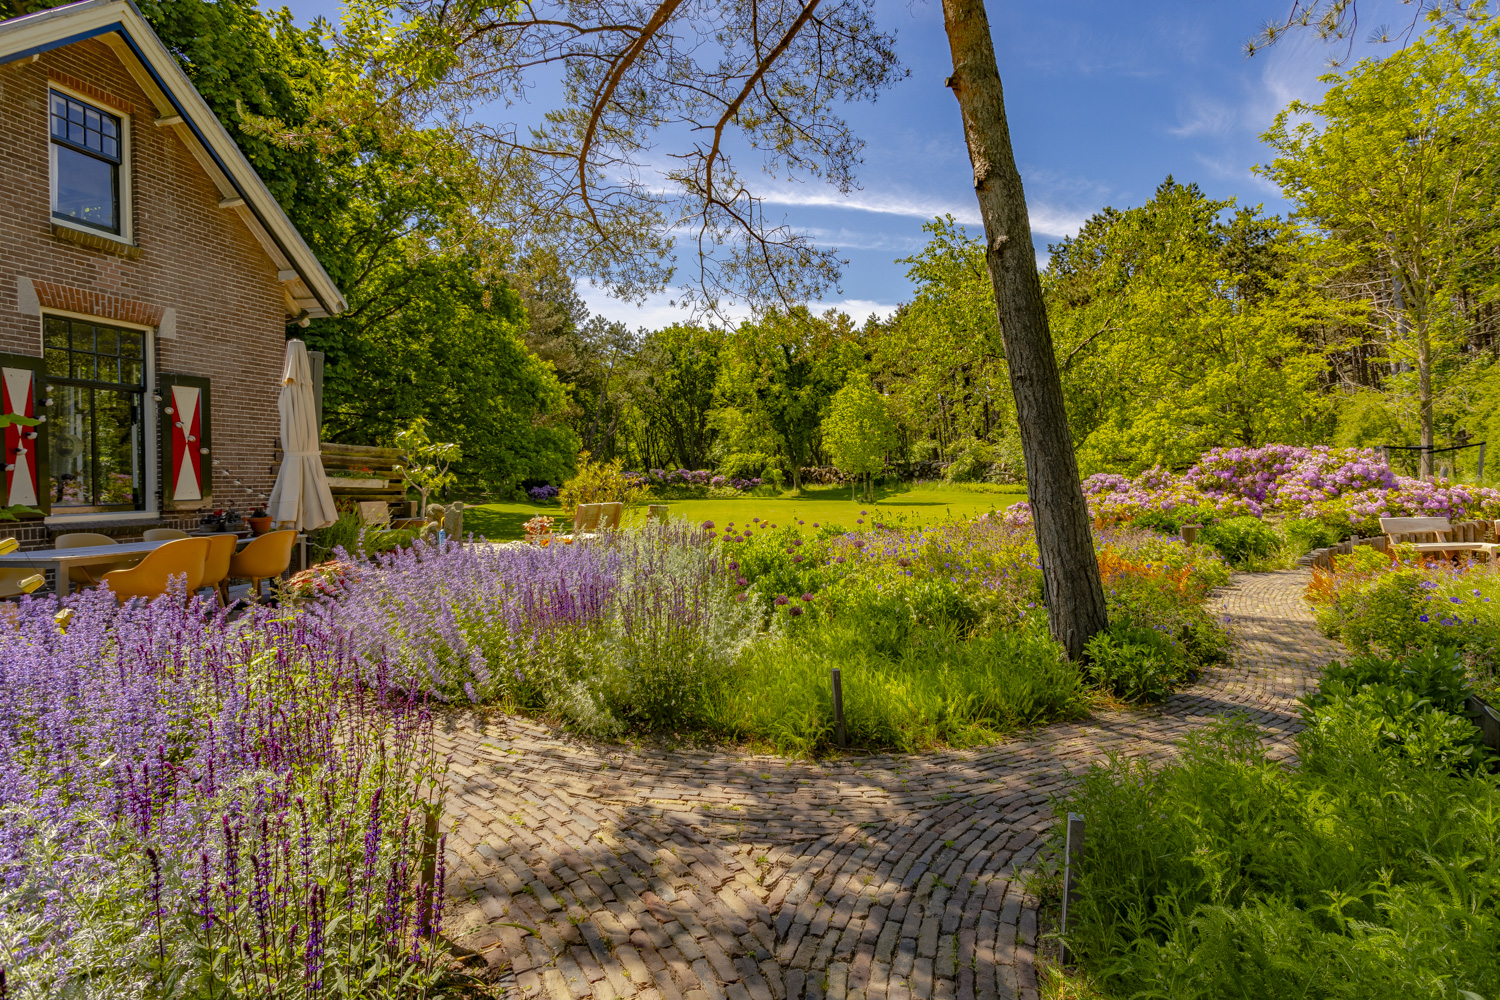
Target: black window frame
<point>140,500</point>
<point>115,160</point>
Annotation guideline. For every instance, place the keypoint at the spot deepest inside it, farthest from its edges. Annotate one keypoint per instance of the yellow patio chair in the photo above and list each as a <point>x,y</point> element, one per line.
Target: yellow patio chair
<point>152,576</point>
<point>263,559</point>
<point>216,566</point>
<point>10,581</point>
<point>88,576</point>
<point>162,534</point>
<point>15,582</point>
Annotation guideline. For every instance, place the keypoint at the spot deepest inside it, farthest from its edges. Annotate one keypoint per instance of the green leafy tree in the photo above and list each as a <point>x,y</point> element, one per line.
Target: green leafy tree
<point>1395,172</point>
<point>425,335</point>
<point>425,462</point>
<point>859,431</point>
<point>598,482</point>
<point>1186,324</point>
<point>942,356</point>
<point>783,370</point>
<point>677,387</point>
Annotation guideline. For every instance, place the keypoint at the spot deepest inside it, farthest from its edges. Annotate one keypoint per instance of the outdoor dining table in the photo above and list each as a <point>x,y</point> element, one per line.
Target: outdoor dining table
<point>62,560</point>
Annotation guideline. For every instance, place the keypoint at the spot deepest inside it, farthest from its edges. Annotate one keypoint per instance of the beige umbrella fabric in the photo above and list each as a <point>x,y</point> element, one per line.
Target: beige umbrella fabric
<point>301,498</point>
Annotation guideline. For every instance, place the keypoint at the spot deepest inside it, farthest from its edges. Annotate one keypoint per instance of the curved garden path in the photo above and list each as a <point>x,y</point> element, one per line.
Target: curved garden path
<point>600,872</point>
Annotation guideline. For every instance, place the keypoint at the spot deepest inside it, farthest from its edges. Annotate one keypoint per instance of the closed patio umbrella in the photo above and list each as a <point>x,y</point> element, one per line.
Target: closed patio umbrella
<point>300,498</point>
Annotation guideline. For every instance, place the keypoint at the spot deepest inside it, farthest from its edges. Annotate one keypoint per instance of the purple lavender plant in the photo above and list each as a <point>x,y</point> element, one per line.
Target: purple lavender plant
<point>163,745</point>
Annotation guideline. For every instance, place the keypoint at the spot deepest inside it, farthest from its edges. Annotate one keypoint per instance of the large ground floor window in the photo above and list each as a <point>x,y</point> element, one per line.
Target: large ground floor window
<point>96,431</point>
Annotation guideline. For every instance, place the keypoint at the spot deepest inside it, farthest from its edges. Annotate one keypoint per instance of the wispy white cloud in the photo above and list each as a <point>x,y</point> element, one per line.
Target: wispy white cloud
<point>1290,73</point>
<point>860,309</point>
<point>892,202</point>
<point>1203,116</point>
<point>855,239</point>
<point>1233,170</point>
<point>1049,220</point>
<point>659,310</point>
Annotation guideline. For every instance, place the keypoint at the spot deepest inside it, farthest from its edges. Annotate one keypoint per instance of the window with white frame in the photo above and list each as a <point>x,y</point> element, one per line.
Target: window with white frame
<point>88,156</point>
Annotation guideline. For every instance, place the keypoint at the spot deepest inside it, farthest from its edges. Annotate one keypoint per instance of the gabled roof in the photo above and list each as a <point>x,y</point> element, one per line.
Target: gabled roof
<point>120,25</point>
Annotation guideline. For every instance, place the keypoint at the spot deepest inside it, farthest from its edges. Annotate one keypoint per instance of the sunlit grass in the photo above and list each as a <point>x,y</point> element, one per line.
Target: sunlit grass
<point>904,504</point>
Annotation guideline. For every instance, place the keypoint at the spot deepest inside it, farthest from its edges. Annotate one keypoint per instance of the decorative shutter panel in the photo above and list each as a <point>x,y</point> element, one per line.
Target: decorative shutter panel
<point>186,441</point>
<point>23,388</point>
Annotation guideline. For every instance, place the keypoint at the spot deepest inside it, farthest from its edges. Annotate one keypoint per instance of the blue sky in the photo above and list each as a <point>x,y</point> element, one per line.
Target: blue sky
<point>1105,99</point>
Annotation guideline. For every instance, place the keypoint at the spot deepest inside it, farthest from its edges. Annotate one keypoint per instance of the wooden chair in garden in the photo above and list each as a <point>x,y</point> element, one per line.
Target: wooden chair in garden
<point>586,518</point>
<point>152,576</point>
<point>375,513</point>
<point>1448,539</point>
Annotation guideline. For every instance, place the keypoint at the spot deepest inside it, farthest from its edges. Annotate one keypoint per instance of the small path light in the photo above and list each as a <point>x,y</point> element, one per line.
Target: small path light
<point>1072,861</point>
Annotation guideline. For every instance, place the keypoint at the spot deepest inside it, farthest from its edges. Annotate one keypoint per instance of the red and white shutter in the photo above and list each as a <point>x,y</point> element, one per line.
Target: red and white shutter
<point>21,394</point>
<point>187,461</point>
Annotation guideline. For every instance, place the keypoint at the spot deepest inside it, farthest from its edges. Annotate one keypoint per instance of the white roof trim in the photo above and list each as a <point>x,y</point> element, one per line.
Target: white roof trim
<point>32,34</point>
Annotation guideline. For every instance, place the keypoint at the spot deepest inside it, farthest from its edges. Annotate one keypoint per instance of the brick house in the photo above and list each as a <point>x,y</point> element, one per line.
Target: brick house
<point>147,283</point>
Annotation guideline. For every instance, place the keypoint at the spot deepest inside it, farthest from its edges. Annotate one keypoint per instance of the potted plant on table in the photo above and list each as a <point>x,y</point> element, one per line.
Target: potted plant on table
<point>259,521</point>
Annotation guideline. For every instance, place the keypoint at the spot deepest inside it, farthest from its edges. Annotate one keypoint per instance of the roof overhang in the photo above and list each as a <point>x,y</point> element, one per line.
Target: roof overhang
<point>306,286</point>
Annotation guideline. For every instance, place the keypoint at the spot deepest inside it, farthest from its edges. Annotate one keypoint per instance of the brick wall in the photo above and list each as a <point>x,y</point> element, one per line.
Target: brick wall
<point>191,257</point>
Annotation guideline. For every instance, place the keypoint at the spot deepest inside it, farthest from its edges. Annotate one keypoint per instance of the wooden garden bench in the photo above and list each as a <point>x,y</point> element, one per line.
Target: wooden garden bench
<point>1447,538</point>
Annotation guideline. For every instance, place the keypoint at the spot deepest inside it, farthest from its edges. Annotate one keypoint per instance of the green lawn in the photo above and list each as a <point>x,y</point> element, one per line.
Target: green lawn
<point>909,505</point>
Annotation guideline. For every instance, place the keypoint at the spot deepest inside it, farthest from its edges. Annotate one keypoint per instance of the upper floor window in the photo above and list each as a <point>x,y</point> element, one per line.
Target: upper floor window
<point>87,153</point>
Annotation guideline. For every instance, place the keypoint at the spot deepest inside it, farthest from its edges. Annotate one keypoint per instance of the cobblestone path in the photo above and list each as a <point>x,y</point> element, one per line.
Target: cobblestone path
<point>605,873</point>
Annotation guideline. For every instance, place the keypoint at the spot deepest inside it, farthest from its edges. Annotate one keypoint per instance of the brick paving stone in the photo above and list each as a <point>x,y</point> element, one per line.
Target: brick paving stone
<point>653,874</point>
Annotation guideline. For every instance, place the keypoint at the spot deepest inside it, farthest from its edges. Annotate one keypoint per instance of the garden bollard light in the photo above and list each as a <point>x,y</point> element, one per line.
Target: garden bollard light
<point>838,709</point>
<point>1072,861</point>
<point>1190,533</point>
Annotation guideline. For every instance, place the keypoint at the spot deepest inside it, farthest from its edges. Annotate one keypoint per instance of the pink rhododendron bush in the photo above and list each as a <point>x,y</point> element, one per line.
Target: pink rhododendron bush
<point>1343,488</point>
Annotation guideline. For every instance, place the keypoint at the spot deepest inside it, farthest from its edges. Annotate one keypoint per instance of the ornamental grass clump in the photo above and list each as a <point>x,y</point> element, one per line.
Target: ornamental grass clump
<point>194,807</point>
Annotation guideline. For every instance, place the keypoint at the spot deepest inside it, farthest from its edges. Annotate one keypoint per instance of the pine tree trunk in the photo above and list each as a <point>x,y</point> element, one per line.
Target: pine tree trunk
<point>1070,570</point>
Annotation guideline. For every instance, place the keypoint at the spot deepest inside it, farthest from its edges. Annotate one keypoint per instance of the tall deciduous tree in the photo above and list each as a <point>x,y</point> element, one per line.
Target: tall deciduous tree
<point>783,370</point>
<point>859,431</point>
<point>941,356</point>
<point>1185,324</point>
<point>677,380</point>
<point>1397,174</point>
<point>1070,570</point>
